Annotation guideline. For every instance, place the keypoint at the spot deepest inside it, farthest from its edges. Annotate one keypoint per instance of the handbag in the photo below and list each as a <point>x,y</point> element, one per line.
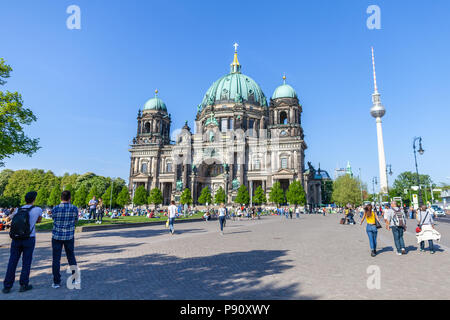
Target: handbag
<point>167,223</point>
<point>377,224</point>
<point>419,226</point>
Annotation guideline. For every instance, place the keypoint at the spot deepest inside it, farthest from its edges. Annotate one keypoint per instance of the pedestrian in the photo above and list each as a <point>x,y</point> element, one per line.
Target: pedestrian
<point>396,221</point>
<point>297,212</point>
<point>371,228</point>
<point>63,235</point>
<point>23,235</point>
<point>222,216</point>
<point>290,212</point>
<point>172,213</point>
<point>92,208</point>
<point>426,227</point>
<point>99,211</point>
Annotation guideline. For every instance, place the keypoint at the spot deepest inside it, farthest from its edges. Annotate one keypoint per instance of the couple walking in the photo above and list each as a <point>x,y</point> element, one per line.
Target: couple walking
<point>23,235</point>
<point>395,220</point>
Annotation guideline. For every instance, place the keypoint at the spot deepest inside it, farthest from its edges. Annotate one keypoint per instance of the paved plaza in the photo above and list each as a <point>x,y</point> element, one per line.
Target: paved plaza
<point>273,258</point>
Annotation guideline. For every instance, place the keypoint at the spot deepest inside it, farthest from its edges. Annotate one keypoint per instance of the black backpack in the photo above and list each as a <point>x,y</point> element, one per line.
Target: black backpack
<point>20,224</point>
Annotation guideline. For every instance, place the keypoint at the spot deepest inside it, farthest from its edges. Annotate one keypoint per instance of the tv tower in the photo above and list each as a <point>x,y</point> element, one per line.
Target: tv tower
<point>378,111</point>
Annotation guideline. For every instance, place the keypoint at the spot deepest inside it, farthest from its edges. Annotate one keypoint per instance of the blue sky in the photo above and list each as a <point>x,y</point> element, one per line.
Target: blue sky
<point>86,86</point>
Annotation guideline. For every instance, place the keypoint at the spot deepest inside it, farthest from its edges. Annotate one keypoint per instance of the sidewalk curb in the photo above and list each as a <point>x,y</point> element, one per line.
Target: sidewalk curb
<point>130,225</point>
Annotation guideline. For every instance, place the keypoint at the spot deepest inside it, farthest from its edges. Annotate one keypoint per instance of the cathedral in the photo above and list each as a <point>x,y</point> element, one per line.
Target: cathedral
<point>239,138</point>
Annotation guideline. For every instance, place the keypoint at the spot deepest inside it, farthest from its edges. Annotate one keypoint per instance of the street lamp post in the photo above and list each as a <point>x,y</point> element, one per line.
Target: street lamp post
<point>360,186</point>
<point>110,199</point>
<point>390,173</point>
<point>226,175</point>
<point>374,182</point>
<point>421,151</point>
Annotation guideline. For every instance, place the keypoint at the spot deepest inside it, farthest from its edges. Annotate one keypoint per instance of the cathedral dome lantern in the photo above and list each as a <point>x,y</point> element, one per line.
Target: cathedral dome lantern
<point>235,87</point>
<point>155,104</point>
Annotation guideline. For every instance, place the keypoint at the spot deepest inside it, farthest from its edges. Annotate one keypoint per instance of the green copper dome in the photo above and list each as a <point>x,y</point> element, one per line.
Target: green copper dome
<point>234,87</point>
<point>284,91</point>
<point>155,103</point>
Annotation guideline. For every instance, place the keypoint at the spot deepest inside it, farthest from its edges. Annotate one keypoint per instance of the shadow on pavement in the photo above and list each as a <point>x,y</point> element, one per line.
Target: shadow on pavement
<point>142,233</point>
<point>234,275</point>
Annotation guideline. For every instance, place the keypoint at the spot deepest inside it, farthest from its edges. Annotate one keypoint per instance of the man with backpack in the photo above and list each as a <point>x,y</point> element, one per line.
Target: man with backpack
<point>396,221</point>
<point>23,235</point>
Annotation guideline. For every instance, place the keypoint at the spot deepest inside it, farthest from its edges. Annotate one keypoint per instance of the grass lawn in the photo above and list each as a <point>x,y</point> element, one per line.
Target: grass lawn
<point>47,224</point>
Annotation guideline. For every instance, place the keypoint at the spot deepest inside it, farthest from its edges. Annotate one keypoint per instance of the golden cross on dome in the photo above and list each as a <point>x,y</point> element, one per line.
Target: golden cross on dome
<point>235,45</point>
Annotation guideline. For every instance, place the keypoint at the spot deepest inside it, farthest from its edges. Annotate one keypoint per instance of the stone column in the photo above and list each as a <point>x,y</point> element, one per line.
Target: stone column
<point>251,192</point>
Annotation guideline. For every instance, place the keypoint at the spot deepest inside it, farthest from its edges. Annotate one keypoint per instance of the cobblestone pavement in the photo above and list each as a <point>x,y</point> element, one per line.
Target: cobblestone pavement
<point>313,257</point>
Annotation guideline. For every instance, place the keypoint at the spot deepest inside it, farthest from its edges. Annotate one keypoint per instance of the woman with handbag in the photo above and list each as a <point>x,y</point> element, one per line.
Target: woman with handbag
<point>373,224</point>
<point>425,229</point>
<point>99,211</point>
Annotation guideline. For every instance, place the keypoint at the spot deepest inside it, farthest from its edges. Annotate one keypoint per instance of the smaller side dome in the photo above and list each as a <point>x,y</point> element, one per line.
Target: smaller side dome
<point>155,103</point>
<point>284,91</point>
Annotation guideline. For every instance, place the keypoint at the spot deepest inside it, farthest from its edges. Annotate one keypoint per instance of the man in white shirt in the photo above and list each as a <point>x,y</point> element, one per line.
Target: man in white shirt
<point>172,213</point>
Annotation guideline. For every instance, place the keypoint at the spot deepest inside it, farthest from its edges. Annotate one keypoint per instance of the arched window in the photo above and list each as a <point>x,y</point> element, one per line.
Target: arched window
<point>283,117</point>
<point>147,127</point>
<point>169,167</point>
<point>144,168</point>
<point>284,163</point>
<point>257,164</point>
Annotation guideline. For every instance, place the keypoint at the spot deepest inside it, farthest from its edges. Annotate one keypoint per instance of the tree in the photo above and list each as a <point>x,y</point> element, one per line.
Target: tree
<point>9,202</point>
<point>92,193</point>
<point>405,181</point>
<point>155,197</point>
<point>220,196</point>
<point>4,178</point>
<point>346,191</point>
<point>80,197</point>
<point>42,197</point>
<point>205,196</point>
<point>276,195</point>
<point>140,196</point>
<point>106,197</point>
<point>295,194</point>
<point>55,197</point>
<point>124,197</point>
<point>327,191</point>
<point>242,196</point>
<point>13,116</point>
<point>260,196</point>
<point>186,197</point>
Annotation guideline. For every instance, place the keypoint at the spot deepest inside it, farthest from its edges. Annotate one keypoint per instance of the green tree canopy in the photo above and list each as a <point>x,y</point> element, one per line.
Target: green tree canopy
<point>327,191</point>
<point>106,197</point>
<point>92,193</point>
<point>276,195</point>
<point>55,197</point>
<point>155,197</point>
<point>242,196</point>
<point>186,197</point>
<point>220,196</point>
<point>140,196</point>
<point>42,197</point>
<point>260,196</point>
<point>205,196</point>
<point>5,175</point>
<point>80,197</point>
<point>124,197</point>
<point>405,181</point>
<point>13,117</point>
<point>295,195</point>
<point>346,191</point>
